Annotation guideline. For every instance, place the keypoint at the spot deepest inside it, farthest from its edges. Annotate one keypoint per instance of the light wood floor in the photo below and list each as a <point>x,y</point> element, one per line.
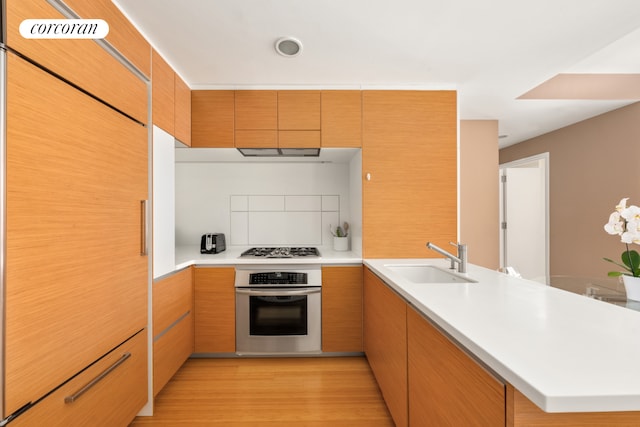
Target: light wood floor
<point>271,392</point>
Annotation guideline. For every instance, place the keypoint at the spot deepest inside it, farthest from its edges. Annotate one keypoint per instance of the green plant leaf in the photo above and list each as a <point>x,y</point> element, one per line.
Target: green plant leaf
<point>631,260</point>
<point>615,263</point>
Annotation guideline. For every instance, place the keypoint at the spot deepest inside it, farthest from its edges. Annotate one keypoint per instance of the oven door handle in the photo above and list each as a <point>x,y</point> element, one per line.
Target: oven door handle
<point>280,292</point>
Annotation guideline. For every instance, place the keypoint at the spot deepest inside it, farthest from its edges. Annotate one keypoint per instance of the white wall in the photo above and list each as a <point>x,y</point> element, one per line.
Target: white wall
<point>204,190</point>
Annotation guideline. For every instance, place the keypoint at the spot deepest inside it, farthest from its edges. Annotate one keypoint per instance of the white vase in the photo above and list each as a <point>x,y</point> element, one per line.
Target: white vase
<point>340,243</point>
<point>632,286</point>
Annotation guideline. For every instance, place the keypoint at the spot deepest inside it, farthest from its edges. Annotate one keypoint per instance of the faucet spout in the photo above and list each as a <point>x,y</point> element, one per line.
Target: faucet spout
<point>460,259</point>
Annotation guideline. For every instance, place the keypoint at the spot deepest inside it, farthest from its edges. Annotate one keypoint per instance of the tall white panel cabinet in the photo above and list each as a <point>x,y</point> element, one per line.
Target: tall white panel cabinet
<point>164,212</point>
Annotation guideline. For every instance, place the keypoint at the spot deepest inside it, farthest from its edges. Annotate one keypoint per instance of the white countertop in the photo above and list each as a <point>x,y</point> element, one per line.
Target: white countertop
<point>565,352</point>
<point>190,255</point>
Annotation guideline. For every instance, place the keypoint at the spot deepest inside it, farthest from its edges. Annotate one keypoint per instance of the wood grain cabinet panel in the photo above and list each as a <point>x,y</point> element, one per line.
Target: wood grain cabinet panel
<point>299,139</point>
<point>78,61</point>
<point>256,110</point>
<point>112,401</point>
<point>163,94</point>
<point>182,110</point>
<point>416,202</point>
<point>521,412</point>
<point>76,282</point>
<point>122,34</point>
<point>298,110</point>
<point>172,298</point>
<point>447,387</point>
<point>172,325</point>
<point>215,310</point>
<point>341,113</point>
<point>171,350</point>
<point>342,309</point>
<point>256,138</point>
<point>212,118</point>
<point>385,344</point>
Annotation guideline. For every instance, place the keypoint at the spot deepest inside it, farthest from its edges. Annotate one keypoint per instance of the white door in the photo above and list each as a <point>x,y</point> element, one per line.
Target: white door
<point>524,218</point>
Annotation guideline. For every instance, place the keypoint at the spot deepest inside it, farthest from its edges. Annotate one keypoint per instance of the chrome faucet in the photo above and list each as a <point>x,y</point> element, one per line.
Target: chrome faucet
<point>460,259</point>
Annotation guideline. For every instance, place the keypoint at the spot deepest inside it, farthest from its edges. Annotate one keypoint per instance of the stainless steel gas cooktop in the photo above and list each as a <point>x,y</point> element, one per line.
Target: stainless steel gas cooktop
<point>281,252</point>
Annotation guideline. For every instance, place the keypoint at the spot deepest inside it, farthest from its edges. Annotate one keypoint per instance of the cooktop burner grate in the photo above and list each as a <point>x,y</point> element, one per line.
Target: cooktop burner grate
<point>281,252</point>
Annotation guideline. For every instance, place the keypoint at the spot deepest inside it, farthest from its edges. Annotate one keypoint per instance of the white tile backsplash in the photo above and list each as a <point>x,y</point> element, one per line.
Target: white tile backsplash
<point>221,197</point>
<point>331,203</point>
<point>329,219</point>
<point>239,228</point>
<point>239,203</point>
<point>285,228</point>
<point>303,203</point>
<point>266,203</point>
<point>283,220</point>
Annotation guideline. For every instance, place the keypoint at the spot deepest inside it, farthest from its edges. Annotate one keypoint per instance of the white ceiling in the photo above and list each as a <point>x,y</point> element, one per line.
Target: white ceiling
<point>491,51</point>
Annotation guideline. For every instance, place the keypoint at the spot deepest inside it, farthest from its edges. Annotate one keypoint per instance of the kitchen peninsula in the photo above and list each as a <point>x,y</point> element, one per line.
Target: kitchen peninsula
<point>544,345</point>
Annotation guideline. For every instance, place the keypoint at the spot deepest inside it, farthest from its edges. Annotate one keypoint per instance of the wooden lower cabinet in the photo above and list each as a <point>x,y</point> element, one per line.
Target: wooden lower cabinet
<point>385,344</point>
<point>118,392</point>
<point>428,380</point>
<point>521,412</point>
<point>447,387</point>
<point>215,310</point>
<point>342,309</point>
<point>172,325</point>
<point>171,350</point>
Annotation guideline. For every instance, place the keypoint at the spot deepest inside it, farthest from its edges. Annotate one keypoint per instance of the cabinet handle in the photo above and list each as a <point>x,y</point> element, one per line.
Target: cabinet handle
<point>75,396</point>
<point>144,250</point>
<point>367,176</point>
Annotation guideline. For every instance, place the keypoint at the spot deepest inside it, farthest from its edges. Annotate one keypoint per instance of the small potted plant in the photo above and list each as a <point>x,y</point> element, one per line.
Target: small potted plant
<point>625,222</point>
<point>340,237</point>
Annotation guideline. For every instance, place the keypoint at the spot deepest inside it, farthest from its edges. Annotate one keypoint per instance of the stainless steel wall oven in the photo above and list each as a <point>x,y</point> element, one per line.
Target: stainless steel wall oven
<point>278,309</point>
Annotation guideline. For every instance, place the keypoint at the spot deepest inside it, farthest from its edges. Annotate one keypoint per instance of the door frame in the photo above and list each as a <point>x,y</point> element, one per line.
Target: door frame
<point>544,157</point>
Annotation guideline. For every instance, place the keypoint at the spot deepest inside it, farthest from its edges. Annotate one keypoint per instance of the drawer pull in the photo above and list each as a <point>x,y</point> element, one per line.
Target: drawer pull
<point>75,396</point>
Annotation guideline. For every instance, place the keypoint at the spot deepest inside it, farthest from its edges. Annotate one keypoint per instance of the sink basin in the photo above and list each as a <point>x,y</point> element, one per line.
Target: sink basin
<point>427,274</point>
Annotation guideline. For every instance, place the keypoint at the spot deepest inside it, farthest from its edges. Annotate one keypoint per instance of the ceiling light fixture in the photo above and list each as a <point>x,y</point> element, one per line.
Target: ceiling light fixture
<point>288,46</point>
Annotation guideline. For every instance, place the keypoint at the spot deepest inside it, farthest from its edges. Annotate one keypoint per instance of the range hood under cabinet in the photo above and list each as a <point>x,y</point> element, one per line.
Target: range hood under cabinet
<point>280,152</point>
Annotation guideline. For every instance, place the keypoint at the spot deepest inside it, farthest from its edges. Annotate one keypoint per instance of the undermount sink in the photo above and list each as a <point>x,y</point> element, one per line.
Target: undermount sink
<point>427,274</point>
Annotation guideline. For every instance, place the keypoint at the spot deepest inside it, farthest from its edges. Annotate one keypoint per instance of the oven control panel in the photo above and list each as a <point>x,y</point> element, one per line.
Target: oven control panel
<point>278,278</point>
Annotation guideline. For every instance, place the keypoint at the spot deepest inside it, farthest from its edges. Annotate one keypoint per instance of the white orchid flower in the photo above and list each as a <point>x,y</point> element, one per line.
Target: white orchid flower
<point>615,224</point>
<point>632,213</point>
<point>622,205</point>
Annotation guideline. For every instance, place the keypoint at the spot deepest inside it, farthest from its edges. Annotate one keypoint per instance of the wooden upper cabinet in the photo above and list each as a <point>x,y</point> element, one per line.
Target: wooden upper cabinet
<point>299,110</point>
<point>212,118</point>
<point>78,61</point>
<point>163,94</point>
<point>418,131</point>
<point>256,110</point>
<point>122,34</point>
<point>182,110</point>
<point>256,138</point>
<point>341,118</point>
<point>299,139</point>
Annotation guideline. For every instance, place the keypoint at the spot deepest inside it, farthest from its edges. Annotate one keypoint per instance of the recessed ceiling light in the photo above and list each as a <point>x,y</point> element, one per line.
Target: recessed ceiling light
<point>288,46</point>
